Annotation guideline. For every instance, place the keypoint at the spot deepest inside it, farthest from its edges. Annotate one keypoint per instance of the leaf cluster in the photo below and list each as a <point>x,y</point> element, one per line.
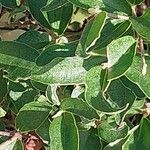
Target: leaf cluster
<point>78,77</point>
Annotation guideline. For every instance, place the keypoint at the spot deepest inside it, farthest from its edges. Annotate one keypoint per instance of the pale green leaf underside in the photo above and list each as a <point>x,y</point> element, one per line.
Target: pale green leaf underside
<point>66,71</point>
<point>117,48</point>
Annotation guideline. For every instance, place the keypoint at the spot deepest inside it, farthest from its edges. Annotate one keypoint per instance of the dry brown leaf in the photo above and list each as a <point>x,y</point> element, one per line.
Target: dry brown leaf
<point>7,35</point>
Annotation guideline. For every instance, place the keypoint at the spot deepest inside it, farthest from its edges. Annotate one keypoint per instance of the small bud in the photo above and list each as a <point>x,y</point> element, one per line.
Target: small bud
<point>95,10</point>
<point>59,113</point>
<point>144,69</point>
<point>62,40</point>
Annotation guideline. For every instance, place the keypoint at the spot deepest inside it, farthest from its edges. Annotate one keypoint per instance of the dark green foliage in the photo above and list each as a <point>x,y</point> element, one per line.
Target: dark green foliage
<point>78,78</point>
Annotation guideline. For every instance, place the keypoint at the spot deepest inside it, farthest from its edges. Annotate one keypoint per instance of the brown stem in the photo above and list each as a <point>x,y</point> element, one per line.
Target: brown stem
<point>147,2</point>
<point>142,51</point>
<point>15,25</point>
<point>4,133</point>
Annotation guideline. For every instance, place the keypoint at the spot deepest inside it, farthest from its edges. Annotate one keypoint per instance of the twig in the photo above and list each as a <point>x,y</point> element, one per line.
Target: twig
<point>52,34</point>
<point>72,34</point>
<point>141,48</point>
<point>25,26</point>
<point>147,2</point>
<point>4,133</point>
<point>12,26</point>
<point>116,16</point>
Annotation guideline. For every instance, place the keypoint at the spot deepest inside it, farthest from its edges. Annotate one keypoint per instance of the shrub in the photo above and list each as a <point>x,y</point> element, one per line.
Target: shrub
<point>75,75</point>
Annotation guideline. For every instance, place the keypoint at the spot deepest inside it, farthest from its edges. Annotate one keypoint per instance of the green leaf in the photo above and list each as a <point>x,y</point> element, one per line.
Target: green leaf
<point>16,73</point>
<point>57,19</point>
<point>64,133</point>
<point>54,4</point>
<point>136,107</point>
<point>34,39</point>
<point>88,3</point>
<point>120,55</point>
<point>51,94</point>
<point>140,139</point>
<point>93,92</point>
<point>134,74</point>
<point>118,48</point>
<point>118,144</point>
<point>104,83</point>
<point>43,131</point>
<point>67,71</point>
<point>21,58</point>
<point>93,61</point>
<point>65,93</point>
<point>118,5</point>
<point>91,33</point>
<point>141,24</point>
<point>2,128</point>
<point>9,3</point>
<point>19,55</point>
<point>89,140</point>
<point>35,7</point>
<point>17,86</point>
<point>56,50</point>
<point>133,87</point>
<point>3,86</point>
<point>110,33</point>
<point>32,115</point>
<point>135,2</point>
<point>118,96</point>
<point>47,147</point>
<point>18,145</point>
<point>129,143</point>
<point>39,86</point>
<point>60,18</point>
<point>111,132</point>
<point>23,98</point>
<point>78,107</point>
<point>94,30</point>
<point>123,63</point>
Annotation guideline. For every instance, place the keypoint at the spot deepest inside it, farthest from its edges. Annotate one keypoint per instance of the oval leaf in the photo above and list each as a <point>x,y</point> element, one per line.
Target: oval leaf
<point>32,115</point>
<point>134,74</point>
<point>91,33</point>
<point>64,133</point>
<point>78,107</point>
<point>67,71</point>
<point>118,5</point>
<point>111,132</point>
<point>141,24</point>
